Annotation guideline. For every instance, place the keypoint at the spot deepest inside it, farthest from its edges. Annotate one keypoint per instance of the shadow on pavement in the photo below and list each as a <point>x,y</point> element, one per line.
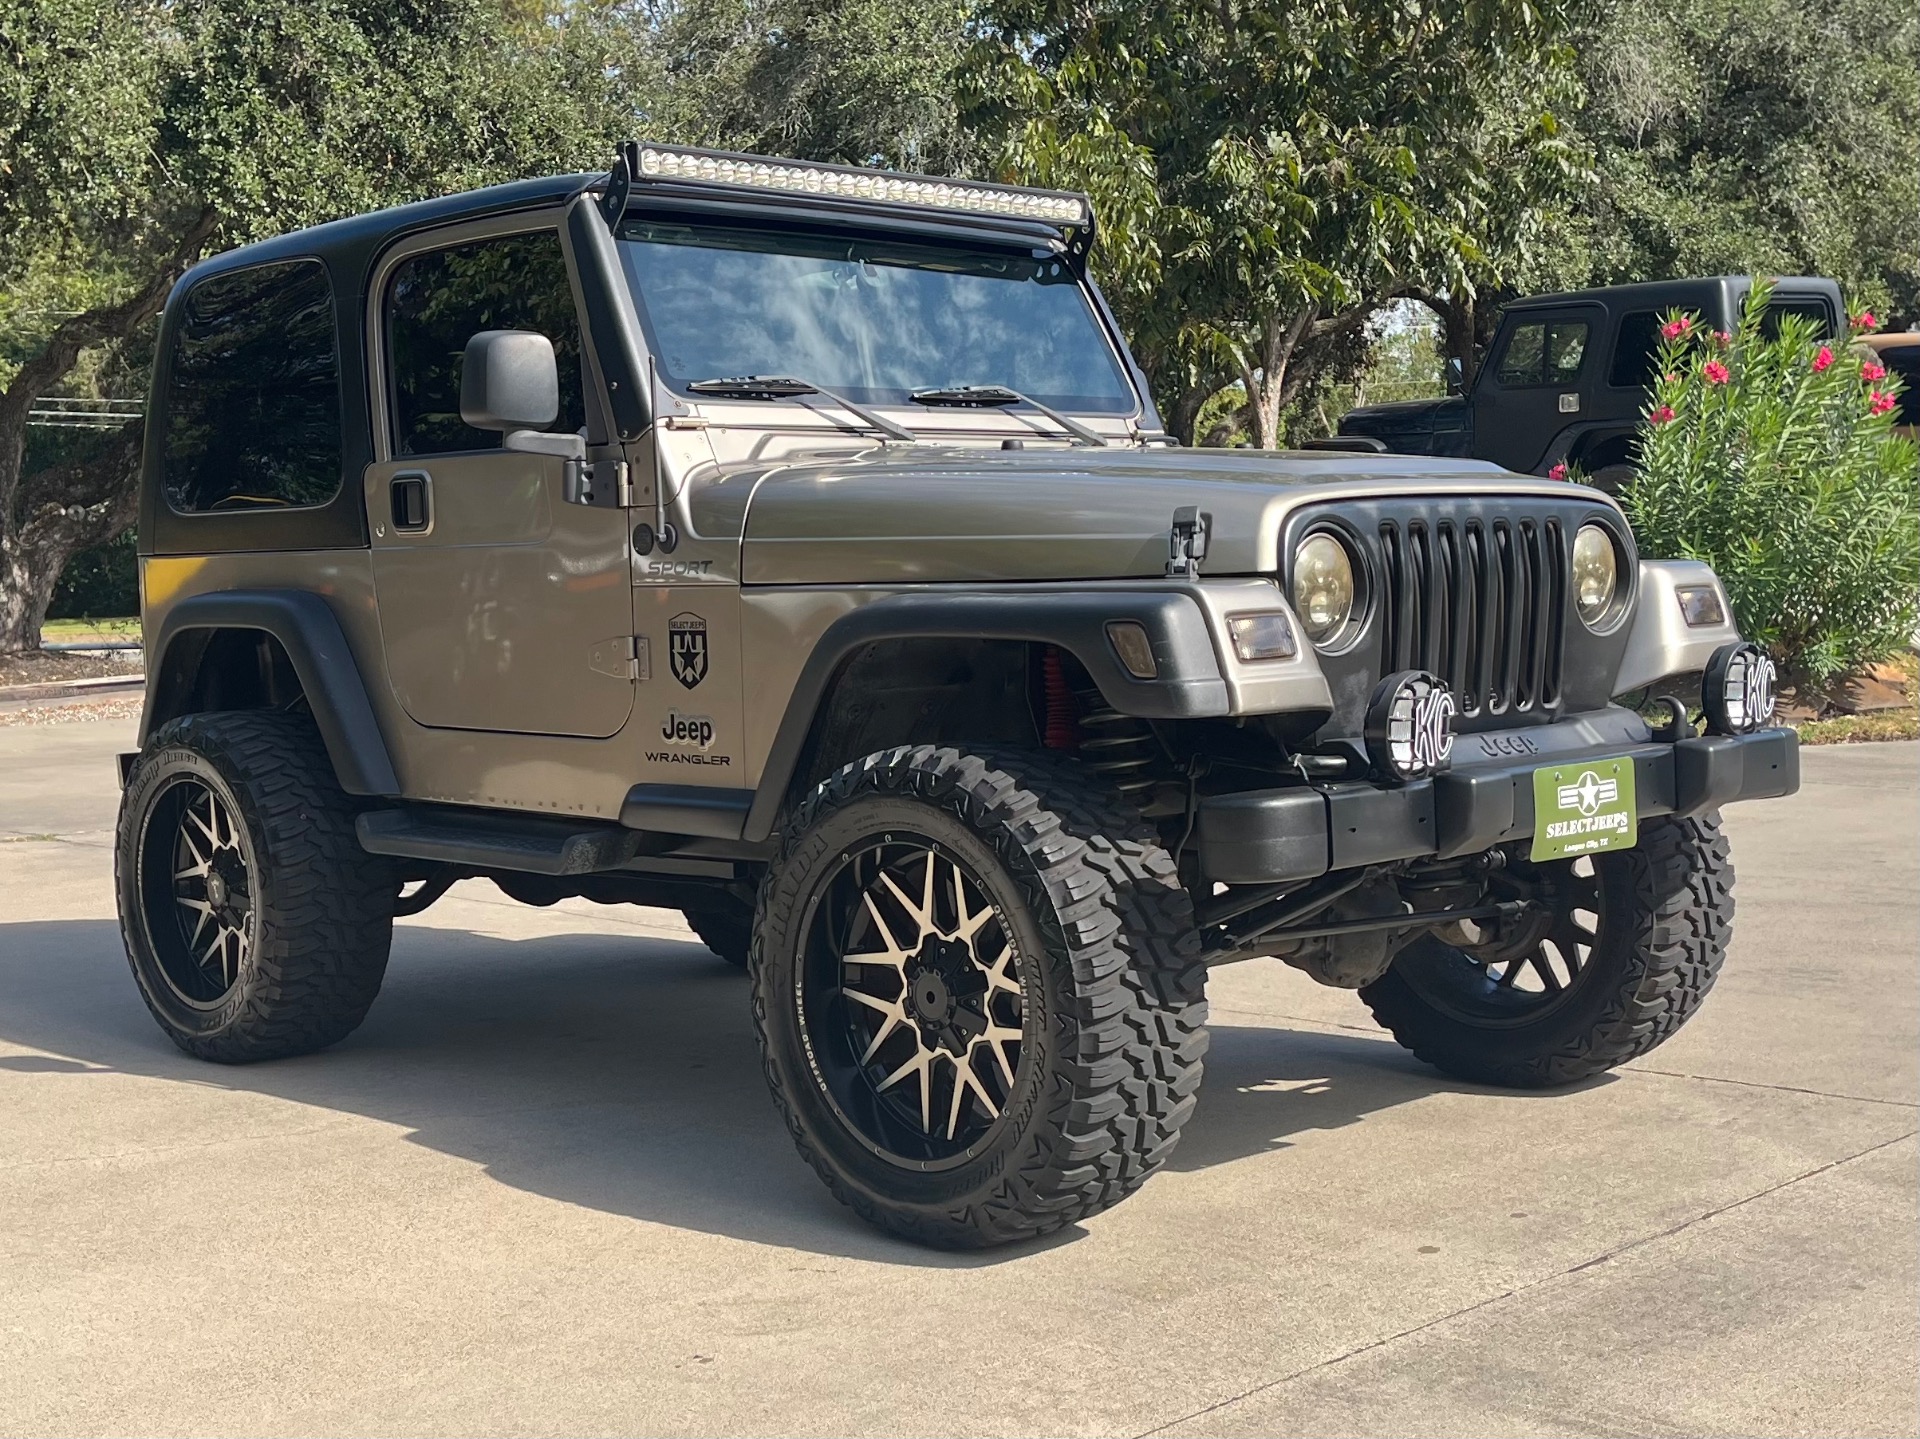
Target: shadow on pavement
<point>615,1073</point>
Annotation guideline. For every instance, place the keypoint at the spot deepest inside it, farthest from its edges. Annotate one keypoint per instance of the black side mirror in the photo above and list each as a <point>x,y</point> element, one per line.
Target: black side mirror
<point>1456,376</point>
<point>509,381</point>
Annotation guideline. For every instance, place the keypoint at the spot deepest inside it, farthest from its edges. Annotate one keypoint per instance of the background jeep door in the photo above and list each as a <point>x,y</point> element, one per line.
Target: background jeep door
<point>1532,387</point>
<point>502,607</point>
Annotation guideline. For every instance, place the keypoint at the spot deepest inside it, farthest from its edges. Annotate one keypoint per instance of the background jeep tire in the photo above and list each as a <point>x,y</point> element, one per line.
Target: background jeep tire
<point>1096,971</point>
<point>725,929</point>
<point>256,926</point>
<point>1665,912</point>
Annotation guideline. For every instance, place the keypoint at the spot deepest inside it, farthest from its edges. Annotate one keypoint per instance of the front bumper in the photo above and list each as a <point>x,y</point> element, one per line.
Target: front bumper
<point>1269,836</point>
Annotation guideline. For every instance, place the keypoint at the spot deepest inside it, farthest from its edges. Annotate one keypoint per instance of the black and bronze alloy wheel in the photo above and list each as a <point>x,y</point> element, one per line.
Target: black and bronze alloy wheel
<point>256,925</point>
<point>1616,954</point>
<point>978,993</point>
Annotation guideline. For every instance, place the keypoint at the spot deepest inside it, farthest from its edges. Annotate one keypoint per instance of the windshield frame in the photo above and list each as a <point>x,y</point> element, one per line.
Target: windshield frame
<point>907,231</point>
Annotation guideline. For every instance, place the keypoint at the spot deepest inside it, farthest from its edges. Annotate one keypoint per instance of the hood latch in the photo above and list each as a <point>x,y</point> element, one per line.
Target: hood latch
<point>1187,542</point>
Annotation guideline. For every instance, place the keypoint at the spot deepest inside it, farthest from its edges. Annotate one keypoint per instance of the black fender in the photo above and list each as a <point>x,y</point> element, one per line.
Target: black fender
<point>310,633</point>
<point>1188,684</point>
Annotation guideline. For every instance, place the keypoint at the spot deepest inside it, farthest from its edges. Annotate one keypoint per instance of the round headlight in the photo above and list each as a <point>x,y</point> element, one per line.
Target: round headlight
<point>1322,586</point>
<point>1596,574</point>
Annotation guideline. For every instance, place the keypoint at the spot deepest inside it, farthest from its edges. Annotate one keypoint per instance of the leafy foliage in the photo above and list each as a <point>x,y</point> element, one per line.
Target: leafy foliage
<point>1774,460</point>
<point>1268,174</point>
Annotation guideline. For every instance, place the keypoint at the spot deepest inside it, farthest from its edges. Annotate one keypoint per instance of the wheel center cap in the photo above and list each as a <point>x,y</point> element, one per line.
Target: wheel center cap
<point>932,1000</point>
<point>217,890</point>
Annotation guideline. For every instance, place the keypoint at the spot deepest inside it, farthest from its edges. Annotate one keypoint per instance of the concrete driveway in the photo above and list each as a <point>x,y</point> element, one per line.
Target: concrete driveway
<point>542,1191</point>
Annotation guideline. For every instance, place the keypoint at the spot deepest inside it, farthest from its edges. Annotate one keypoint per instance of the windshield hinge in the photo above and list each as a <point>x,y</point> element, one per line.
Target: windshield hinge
<point>1187,542</point>
<point>623,658</point>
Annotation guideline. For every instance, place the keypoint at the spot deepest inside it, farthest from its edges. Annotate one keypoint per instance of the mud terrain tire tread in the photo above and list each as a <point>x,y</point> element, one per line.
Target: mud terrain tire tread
<point>326,905</point>
<point>1108,899</point>
<point>1680,877</point>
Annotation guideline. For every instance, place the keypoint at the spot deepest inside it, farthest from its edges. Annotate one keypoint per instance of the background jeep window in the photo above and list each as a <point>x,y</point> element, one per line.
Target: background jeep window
<point>1635,351</point>
<point>1543,352</point>
<point>1813,310</point>
<point>439,300</point>
<point>253,395</point>
<point>873,318</point>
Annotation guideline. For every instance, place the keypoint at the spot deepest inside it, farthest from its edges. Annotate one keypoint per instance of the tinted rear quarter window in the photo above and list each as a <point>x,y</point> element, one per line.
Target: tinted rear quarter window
<point>1636,350</point>
<point>1904,362</point>
<point>253,395</point>
<point>438,300</point>
<point>1814,311</point>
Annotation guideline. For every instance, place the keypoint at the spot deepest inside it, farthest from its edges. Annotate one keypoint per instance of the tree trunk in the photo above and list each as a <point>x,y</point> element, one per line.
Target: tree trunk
<point>51,515</point>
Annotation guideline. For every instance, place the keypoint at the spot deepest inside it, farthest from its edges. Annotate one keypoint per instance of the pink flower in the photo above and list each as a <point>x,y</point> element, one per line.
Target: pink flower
<point>1722,338</point>
<point>1717,373</point>
<point>1873,370</point>
<point>1661,415</point>
<point>1671,379</point>
<point>1823,360</point>
<point>1674,329</point>
<point>1879,402</point>
<point>1864,320</point>
<point>1558,472</point>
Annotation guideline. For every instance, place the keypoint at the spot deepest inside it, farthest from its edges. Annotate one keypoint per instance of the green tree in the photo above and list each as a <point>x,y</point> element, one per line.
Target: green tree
<point>1268,175</point>
<point>1754,137</point>
<point>139,134</point>
<point>861,82</point>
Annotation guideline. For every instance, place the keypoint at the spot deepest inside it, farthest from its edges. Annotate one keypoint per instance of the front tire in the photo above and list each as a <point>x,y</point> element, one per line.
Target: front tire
<point>1633,943</point>
<point>256,926</point>
<point>978,994</point>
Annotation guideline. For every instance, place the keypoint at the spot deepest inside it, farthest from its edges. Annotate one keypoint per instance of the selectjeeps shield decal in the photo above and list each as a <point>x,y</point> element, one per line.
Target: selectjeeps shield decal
<point>687,648</point>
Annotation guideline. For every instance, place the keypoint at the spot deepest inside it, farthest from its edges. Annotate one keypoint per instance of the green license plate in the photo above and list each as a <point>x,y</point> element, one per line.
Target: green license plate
<point>1585,807</point>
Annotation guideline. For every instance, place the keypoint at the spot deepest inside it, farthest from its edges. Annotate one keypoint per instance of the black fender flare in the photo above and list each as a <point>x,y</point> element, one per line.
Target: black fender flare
<point>1188,684</point>
<point>310,633</point>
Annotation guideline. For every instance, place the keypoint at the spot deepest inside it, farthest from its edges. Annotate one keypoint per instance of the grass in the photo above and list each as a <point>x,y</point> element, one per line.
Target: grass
<point>1861,729</point>
<point>60,632</point>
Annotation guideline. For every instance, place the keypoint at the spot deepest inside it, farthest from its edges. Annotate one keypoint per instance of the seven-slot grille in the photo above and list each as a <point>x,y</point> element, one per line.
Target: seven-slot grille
<point>1480,602</point>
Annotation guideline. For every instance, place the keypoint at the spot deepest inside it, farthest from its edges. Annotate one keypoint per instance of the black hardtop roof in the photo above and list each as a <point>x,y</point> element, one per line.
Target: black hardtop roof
<point>373,229</point>
<point>1660,294</point>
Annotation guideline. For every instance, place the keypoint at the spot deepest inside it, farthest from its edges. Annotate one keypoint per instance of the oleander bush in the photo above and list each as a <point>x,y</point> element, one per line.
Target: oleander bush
<point>1773,458</point>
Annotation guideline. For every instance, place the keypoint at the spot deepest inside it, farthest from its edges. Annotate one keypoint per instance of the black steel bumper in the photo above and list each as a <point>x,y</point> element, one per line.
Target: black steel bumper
<point>1265,836</point>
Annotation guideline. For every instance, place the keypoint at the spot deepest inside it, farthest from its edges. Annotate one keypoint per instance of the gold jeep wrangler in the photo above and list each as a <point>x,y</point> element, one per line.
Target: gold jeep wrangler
<point>797,546</point>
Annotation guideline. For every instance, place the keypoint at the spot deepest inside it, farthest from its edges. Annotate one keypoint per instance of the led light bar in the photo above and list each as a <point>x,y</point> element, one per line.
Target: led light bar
<point>802,177</point>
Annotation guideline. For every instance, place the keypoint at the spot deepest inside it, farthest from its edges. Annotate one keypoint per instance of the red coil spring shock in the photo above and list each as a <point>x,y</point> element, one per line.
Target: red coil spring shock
<point>1062,730</point>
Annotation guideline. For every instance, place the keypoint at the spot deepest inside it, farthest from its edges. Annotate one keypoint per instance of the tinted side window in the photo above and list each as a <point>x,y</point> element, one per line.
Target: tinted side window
<point>438,301</point>
<point>253,400</point>
<point>1635,351</point>
<point>1811,310</point>
<point>1543,352</point>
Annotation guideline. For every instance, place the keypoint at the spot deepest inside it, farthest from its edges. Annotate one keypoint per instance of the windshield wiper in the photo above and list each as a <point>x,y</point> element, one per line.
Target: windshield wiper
<point>785,387</point>
<point>995,396</point>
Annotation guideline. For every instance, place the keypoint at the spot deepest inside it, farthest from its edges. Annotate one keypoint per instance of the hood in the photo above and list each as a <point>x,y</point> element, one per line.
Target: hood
<point>919,514</point>
<point>1398,416</point>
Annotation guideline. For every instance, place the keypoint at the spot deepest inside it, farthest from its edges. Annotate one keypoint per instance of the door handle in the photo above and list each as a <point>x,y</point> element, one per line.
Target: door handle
<point>410,497</point>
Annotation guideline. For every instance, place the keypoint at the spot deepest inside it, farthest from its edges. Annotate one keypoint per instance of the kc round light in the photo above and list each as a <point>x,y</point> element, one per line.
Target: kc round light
<point>1323,590</point>
<point>1596,574</point>
<point>1738,695</point>
<point>1410,725</point>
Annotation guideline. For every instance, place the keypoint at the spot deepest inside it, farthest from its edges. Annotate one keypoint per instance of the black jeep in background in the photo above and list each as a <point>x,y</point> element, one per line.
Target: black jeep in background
<point>1566,376</point>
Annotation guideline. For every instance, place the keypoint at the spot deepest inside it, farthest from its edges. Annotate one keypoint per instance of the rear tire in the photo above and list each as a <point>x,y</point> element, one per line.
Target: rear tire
<point>1664,914</point>
<point>256,926</point>
<point>727,931</point>
<point>1612,479</point>
<point>1029,1029</point>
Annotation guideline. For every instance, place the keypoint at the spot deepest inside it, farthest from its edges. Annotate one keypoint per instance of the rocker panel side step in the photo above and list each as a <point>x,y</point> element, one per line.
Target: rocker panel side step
<point>532,844</point>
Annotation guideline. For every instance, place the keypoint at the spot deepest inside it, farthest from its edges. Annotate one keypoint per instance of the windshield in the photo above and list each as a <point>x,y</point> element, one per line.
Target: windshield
<point>875,319</point>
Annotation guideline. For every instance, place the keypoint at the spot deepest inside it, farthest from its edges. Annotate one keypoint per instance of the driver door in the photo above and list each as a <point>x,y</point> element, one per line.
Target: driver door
<point>502,606</point>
